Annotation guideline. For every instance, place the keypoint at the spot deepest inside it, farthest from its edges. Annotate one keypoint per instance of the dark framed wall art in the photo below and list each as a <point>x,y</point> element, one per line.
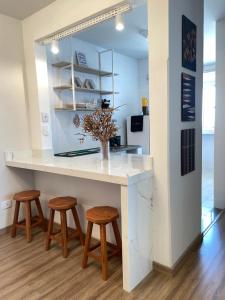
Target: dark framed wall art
<point>187,151</point>
<point>189,45</point>
<point>187,98</point>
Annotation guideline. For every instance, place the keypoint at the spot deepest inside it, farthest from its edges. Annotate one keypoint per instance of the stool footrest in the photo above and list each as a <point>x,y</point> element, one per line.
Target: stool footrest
<point>71,234</point>
<point>35,221</point>
<point>94,247</point>
<point>112,250</point>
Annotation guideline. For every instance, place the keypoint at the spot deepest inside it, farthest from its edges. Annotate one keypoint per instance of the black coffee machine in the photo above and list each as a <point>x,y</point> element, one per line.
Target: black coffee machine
<point>115,141</point>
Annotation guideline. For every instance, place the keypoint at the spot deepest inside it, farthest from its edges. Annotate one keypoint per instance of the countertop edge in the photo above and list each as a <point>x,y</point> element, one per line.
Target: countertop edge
<point>80,174</point>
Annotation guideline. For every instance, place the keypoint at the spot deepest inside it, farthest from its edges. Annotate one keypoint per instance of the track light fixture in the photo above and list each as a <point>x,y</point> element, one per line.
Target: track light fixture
<point>119,22</point>
<point>55,47</point>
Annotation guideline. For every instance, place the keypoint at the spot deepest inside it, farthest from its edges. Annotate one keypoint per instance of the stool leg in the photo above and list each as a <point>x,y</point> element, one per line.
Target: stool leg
<point>15,219</point>
<point>117,234</point>
<point>87,244</point>
<point>50,229</point>
<point>64,233</point>
<point>40,213</point>
<point>77,223</point>
<point>104,257</point>
<point>30,211</point>
<point>28,220</point>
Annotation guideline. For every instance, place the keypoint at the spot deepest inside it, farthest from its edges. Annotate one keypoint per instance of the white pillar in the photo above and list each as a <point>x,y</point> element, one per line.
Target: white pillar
<point>177,199</point>
<point>219,161</point>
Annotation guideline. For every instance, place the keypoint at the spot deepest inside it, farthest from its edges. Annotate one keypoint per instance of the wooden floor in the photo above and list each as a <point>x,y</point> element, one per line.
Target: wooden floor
<point>29,272</point>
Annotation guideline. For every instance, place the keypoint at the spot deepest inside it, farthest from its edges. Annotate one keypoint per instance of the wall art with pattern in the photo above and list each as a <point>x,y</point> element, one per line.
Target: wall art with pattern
<point>187,98</point>
<point>187,151</point>
<point>189,47</point>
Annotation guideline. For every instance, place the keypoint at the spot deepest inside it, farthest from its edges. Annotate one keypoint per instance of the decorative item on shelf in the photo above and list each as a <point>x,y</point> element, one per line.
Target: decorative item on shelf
<point>81,58</point>
<point>105,104</point>
<point>89,84</point>
<point>81,105</point>
<point>76,121</point>
<point>101,127</point>
<point>91,106</point>
<point>78,82</point>
<point>145,106</point>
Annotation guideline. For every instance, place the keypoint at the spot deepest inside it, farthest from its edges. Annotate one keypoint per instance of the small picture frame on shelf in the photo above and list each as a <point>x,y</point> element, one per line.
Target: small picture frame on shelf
<point>81,58</point>
<point>89,84</point>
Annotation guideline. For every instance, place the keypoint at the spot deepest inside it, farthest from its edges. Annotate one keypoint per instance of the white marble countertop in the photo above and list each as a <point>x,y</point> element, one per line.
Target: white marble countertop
<point>121,168</point>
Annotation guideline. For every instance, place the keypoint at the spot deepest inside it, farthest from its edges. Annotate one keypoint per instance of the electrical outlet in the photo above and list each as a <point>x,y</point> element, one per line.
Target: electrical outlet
<point>6,204</point>
<point>45,131</point>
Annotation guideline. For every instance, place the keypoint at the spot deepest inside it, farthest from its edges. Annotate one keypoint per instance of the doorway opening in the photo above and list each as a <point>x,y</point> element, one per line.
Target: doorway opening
<point>208,129</point>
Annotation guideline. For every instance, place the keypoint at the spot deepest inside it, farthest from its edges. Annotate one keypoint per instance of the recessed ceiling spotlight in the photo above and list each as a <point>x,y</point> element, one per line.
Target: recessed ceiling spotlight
<point>55,47</point>
<point>119,22</point>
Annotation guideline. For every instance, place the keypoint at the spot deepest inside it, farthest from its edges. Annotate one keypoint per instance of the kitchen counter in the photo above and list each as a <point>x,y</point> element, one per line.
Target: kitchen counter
<point>125,182</point>
<point>127,148</point>
<point>121,168</point>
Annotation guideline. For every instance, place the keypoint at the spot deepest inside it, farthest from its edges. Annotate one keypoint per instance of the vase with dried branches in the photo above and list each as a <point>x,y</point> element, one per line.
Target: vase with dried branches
<point>101,127</point>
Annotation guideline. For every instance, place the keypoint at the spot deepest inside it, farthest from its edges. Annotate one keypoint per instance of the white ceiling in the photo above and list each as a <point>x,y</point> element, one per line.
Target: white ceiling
<point>128,42</point>
<point>214,10</point>
<point>21,9</point>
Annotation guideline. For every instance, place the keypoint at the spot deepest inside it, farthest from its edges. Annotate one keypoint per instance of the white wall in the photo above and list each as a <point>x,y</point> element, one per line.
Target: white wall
<point>126,83</point>
<point>143,77</point>
<point>128,86</point>
<point>14,129</point>
<point>43,95</point>
<point>177,215</point>
<point>219,162</point>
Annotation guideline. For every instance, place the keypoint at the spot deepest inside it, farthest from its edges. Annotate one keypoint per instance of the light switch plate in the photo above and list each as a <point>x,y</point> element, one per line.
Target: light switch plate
<point>44,117</point>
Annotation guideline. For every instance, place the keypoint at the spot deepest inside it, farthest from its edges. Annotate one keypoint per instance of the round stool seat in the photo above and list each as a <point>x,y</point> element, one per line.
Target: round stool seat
<point>62,203</point>
<point>27,195</point>
<point>102,214</point>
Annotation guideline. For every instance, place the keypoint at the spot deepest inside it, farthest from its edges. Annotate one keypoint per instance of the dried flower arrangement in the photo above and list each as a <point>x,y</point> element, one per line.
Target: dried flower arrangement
<point>101,127</point>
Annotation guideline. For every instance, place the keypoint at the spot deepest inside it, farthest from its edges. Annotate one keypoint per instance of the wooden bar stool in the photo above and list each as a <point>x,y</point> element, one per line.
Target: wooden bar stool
<point>29,222</point>
<point>102,215</point>
<point>62,204</point>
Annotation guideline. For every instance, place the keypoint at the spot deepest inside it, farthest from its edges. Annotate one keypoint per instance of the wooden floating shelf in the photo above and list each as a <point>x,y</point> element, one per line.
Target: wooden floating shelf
<point>84,90</point>
<point>83,69</point>
<point>63,87</point>
<point>71,109</point>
